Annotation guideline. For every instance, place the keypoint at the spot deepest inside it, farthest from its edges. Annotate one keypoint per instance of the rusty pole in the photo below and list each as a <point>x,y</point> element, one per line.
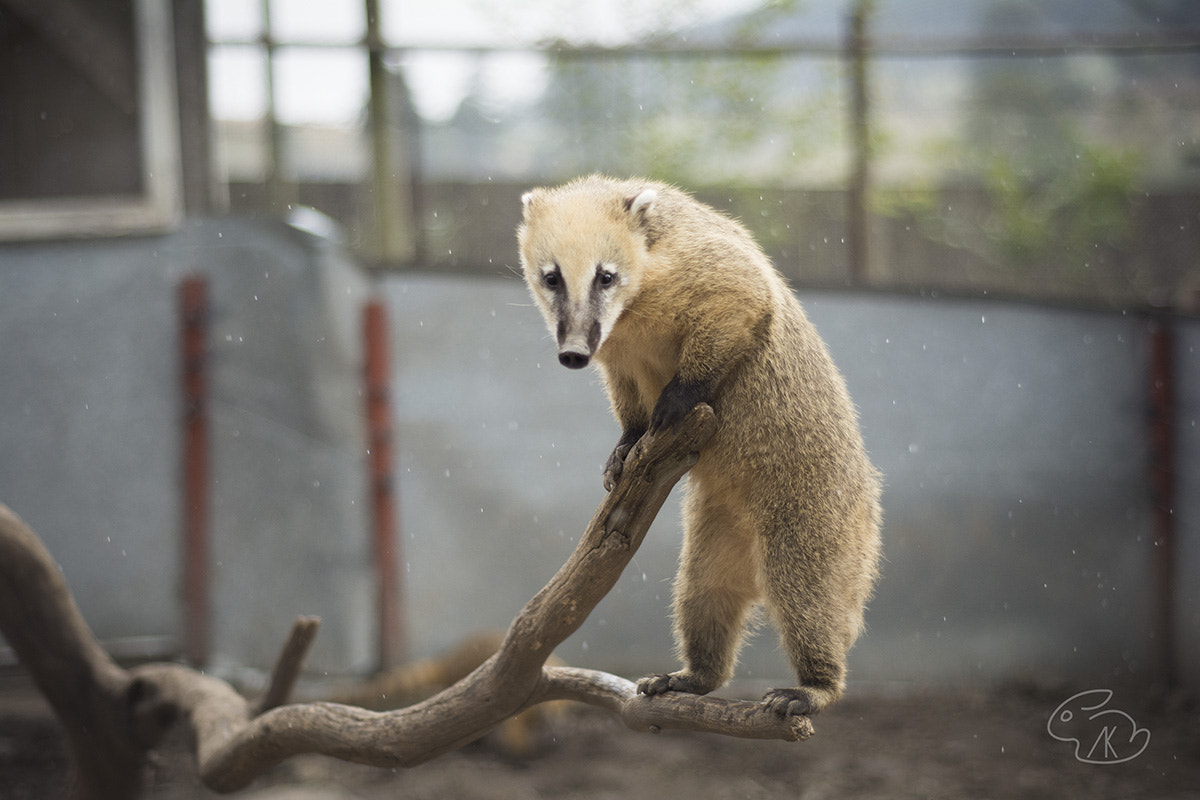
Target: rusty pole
<point>193,309</point>
<point>382,481</point>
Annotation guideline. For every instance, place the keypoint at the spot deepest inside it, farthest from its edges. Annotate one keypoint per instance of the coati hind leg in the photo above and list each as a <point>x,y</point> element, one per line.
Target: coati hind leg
<point>715,588</point>
<point>816,626</point>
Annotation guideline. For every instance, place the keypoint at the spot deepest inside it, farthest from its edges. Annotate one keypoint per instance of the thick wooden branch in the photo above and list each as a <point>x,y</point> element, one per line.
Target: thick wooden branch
<point>112,716</point>
<point>86,689</point>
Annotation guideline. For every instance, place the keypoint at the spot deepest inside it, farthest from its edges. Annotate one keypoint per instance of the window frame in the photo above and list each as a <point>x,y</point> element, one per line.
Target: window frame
<point>159,206</point>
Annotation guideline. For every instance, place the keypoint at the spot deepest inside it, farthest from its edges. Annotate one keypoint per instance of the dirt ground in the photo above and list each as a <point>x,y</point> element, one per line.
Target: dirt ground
<point>965,744</point>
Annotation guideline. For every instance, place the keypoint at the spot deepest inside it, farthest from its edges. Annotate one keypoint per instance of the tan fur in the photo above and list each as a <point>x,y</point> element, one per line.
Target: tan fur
<point>783,505</point>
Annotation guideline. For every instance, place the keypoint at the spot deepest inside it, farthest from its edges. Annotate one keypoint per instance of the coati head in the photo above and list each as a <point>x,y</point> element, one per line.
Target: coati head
<point>582,247</point>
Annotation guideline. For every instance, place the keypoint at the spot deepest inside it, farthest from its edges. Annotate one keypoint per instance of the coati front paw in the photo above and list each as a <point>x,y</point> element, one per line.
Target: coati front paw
<point>791,702</point>
<point>678,398</point>
<point>616,464</point>
<point>673,682</point>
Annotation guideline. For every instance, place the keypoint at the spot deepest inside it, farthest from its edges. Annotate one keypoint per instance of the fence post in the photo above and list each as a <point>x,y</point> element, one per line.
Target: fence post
<point>377,374</point>
<point>194,314</point>
<point>1162,489</point>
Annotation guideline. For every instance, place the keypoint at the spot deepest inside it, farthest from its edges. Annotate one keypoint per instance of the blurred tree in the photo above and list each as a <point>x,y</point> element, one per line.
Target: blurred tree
<point>1061,193</point>
<point>1043,139</point>
<point>731,118</point>
<point>1057,220</point>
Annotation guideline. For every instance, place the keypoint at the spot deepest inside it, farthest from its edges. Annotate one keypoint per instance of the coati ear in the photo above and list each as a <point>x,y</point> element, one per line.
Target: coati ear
<point>641,205</point>
<point>528,200</point>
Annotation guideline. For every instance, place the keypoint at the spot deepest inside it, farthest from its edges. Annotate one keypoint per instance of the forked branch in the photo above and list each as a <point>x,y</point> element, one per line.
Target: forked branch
<point>112,717</point>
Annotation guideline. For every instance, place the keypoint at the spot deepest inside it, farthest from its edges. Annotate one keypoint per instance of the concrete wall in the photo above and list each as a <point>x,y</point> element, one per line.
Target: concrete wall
<point>90,426</point>
<point>1018,531</point>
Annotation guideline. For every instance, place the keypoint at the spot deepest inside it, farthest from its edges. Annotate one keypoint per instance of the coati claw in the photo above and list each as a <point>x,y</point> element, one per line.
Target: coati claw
<point>616,465</point>
<point>654,684</point>
<point>789,702</point>
<point>671,682</point>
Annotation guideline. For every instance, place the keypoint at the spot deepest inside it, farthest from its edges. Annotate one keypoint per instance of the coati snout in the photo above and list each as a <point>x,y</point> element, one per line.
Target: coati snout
<point>576,344</point>
<point>572,359</point>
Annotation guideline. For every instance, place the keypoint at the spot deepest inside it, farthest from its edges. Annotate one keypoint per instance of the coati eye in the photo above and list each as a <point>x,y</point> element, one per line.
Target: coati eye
<point>551,280</point>
<point>606,278</point>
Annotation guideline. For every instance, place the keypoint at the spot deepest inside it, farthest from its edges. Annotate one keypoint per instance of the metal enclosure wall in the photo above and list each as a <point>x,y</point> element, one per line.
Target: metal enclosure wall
<point>1012,437</point>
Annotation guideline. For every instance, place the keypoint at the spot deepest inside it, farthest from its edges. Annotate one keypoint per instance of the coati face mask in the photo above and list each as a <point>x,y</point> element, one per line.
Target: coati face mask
<point>580,257</point>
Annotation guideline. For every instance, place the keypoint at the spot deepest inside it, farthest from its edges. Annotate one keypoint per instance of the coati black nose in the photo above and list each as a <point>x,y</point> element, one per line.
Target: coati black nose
<point>573,360</point>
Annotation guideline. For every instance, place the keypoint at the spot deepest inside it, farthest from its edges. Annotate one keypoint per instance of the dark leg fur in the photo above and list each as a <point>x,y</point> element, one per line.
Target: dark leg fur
<point>677,399</point>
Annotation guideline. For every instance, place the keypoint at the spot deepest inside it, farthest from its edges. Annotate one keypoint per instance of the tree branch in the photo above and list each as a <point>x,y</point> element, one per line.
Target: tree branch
<point>112,716</point>
<point>290,663</point>
<point>671,711</point>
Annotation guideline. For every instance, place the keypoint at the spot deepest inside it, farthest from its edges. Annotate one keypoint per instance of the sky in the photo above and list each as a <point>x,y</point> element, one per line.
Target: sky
<point>323,85</point>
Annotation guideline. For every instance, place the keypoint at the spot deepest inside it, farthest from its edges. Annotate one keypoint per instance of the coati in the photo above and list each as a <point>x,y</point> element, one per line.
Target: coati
<point>678,305</point>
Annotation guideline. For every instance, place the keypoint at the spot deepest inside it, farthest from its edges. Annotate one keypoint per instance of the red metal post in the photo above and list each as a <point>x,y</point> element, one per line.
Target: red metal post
<point>382,480</point>
<point>193,309</point>
<point>1162,488</point>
